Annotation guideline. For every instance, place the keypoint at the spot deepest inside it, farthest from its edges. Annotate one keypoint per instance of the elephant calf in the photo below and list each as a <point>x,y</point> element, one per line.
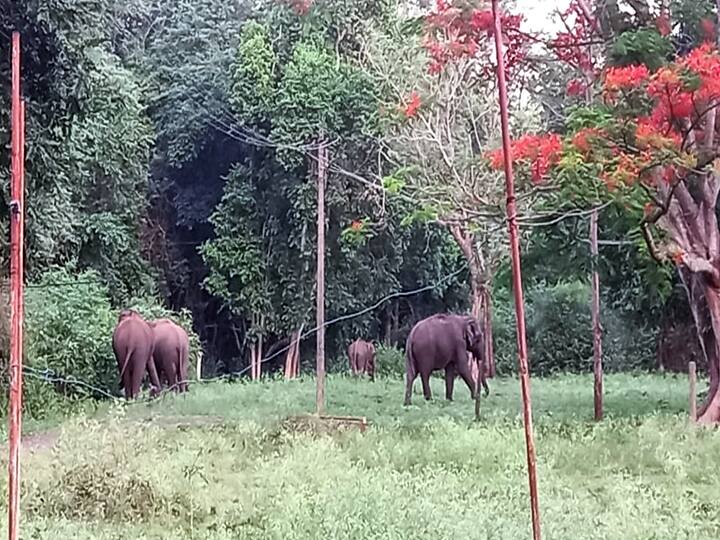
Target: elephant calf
<point>171,348</point>
<point>362,358</point>
<point>449,342</point>
<point>133,347</point>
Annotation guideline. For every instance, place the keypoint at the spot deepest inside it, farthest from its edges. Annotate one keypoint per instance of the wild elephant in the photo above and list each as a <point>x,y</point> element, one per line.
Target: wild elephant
<point>171,348</point>
<point>362,358</point>
<point>133,347</point>
<point>449,342</point>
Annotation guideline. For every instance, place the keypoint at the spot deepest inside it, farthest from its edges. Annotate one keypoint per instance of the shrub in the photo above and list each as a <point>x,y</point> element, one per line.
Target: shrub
<point>559,332</point>
<point>390,361</point>
<point>69,324</point>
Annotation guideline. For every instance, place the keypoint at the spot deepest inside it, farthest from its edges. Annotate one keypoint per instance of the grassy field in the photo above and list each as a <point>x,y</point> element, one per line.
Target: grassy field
<point>223,463</point>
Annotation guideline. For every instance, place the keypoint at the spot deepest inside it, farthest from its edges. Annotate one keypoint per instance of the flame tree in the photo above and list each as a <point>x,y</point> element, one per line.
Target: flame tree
<point>437,78</point>
<point>651,144</point>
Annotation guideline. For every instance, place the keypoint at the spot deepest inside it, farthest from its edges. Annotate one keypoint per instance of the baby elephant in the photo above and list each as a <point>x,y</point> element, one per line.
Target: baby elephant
<point>362,358</point>
<point>171,348</point>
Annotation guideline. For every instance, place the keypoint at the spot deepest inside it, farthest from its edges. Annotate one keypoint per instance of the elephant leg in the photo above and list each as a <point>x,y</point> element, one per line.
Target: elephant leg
<point>410,377</point>
<point>183,371</point>
<point>137,375</point>
<point>469,382</point>
<point>425,378</point>
<point>449,381</point>
<point>154,379</point>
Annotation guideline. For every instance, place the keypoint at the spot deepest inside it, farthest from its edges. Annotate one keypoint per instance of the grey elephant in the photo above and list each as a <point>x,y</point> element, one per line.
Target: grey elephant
<point>362,358</point>
<point>133,347</point>
<point>449,342</point>
<point>170,353</point>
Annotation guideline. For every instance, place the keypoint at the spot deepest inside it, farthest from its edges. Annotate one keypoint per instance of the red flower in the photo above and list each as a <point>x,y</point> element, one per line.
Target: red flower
<point>649,135</point>
<point>356,225</point>
<point>483,21</point>
<point>412,106</point>
<point>627,77</point>
<point>584,139</point>
<point>542,152</point>
<point>576,87</point>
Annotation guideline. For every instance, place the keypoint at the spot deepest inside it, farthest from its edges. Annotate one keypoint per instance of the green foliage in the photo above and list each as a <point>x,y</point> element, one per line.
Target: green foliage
<point>254,75</point>
<point>642,46</point>
<point>320,96</point>
<point>69,325</point>
<point>689,14</point>
<point>390,361</point>
<point>559,331</point>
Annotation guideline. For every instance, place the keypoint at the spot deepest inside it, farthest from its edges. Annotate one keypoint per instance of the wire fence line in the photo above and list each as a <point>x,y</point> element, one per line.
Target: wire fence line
<point>52,377</point>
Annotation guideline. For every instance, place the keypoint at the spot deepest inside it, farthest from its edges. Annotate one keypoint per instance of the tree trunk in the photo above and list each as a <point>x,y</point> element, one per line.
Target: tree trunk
<point>479,291</point>
<point>291,360</point>
<point>705,306</point>
<point>692,225</point>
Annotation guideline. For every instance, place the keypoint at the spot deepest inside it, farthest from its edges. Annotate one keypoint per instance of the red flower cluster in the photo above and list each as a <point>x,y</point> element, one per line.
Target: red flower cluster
<point>541,151</point>
<point>357,225</point>
<point>684,89</point>
<point>453,33</point>
<point>585,139</point>
<point>412,105</point>
<point>625,78</point>
<point>570,46</point>
<point>649,136</point>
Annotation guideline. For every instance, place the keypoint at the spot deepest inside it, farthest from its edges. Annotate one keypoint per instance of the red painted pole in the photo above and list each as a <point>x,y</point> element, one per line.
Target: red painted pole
<point>516,276</point>
<point>17,208</point>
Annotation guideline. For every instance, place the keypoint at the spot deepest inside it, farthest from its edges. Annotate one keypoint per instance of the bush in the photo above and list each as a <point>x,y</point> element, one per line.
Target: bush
<point>390,362</point>
<point>69,324</point>
<point>559,333</point>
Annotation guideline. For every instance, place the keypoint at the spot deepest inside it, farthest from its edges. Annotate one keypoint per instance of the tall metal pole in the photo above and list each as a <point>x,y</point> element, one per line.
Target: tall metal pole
<point>516,275</point>
<point>320,281</point>
<point>596,325</point>
<point>17,209</point>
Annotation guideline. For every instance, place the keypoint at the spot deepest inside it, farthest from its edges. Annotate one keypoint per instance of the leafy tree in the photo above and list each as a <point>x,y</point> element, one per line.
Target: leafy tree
<point>654,147</point>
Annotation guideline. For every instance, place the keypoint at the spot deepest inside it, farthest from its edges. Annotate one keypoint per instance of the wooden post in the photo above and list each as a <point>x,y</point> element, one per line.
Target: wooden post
<point>320,282</point>
<point>692,372</point>
<point>17,241</point>
<point>511,209</point>
<point>198,366</point>
<point>596,325</point>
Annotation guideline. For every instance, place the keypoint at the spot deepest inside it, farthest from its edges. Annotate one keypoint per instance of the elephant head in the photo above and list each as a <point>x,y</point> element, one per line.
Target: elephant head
<point>474,342</point>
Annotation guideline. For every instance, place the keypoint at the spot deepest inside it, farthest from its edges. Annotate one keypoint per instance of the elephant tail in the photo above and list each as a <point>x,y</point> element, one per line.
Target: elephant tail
<point>128,354</point>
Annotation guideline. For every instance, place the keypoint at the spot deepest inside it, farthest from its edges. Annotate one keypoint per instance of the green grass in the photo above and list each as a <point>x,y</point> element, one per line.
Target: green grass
<point>426,472</point>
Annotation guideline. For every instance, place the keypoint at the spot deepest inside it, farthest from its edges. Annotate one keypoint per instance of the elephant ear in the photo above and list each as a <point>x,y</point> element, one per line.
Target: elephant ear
<point>472,331</point>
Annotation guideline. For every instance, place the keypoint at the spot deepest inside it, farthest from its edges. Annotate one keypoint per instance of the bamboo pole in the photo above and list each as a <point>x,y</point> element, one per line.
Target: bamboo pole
<point>516,276</point>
